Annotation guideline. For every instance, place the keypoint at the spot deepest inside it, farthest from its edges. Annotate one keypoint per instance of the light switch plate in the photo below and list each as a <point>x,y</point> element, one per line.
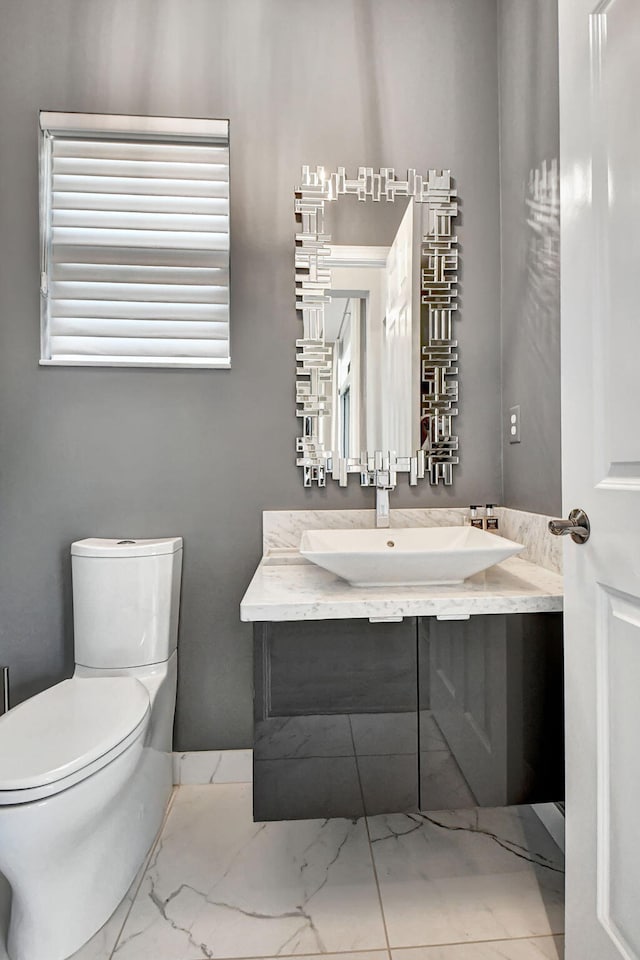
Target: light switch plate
<point>513,424</point>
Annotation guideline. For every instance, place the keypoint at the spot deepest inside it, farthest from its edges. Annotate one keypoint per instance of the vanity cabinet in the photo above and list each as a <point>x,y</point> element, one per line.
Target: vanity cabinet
<point>392,699</point>
<point>353,717</point>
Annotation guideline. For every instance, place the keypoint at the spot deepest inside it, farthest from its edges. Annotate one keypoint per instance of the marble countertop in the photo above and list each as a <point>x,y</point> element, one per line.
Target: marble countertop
<point>285,587</point>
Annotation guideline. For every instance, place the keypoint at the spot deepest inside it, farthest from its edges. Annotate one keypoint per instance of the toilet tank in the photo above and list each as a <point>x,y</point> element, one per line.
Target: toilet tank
<point>126,595</point>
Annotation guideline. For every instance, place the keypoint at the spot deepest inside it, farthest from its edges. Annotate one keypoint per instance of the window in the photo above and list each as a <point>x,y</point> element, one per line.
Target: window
<point>135,241</point>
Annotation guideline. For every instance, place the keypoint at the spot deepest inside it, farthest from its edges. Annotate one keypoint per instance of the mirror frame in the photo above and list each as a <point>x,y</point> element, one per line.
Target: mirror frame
<point>438,294</point>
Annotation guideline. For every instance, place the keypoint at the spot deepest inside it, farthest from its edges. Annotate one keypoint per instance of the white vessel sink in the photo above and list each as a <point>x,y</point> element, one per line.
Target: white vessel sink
<point>410,556</point>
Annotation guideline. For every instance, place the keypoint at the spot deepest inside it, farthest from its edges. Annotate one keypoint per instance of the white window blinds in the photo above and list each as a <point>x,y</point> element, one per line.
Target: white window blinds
<point>135,241</point>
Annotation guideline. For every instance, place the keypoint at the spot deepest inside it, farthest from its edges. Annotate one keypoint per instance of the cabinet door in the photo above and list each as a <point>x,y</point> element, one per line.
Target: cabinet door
<point>468,669</point>
<point>490,711</point>
<point>335,725</point>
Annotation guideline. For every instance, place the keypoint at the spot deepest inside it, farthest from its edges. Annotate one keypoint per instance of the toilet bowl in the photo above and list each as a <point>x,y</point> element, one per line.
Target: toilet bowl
<point>85,766</point>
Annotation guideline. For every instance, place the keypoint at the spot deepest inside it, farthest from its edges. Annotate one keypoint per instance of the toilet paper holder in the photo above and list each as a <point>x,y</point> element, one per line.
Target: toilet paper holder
<point>4,690</point>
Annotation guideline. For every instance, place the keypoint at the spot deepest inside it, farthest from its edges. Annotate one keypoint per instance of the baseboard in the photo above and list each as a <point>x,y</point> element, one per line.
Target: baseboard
<point>213,766</point>
<point>552,819</point>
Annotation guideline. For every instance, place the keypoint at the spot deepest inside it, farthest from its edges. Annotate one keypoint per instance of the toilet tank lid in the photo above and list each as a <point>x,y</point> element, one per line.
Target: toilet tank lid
<point>96,547</point>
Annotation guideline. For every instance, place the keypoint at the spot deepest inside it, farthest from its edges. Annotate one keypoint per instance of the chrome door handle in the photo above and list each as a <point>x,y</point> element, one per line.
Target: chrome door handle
<point>577,526</point>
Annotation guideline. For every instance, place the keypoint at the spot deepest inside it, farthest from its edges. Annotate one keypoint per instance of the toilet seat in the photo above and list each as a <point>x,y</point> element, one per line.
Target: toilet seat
<point>66,733</point>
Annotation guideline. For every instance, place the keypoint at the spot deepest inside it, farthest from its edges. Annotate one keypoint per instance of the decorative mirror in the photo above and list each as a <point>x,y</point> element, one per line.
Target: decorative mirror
<point>376,381</point>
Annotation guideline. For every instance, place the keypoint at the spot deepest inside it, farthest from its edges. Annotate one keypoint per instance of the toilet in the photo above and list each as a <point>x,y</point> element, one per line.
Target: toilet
<point>85,766</point>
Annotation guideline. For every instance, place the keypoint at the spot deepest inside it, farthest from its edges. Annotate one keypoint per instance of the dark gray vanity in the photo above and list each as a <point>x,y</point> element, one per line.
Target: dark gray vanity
<point>355,718</point>
<point>450,698</point>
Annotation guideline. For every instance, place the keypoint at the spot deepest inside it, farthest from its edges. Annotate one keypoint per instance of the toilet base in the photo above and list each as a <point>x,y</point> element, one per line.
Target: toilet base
<point>71,858</point>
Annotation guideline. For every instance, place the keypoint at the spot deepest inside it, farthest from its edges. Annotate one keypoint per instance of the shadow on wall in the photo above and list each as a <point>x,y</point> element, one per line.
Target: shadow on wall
<point>542,295</point>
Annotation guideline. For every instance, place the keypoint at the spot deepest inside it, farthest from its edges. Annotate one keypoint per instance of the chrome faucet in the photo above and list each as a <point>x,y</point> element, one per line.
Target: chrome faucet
<point>383,486</point>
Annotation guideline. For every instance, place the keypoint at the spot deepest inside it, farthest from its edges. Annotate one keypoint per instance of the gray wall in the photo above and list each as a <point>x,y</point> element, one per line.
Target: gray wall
<point>530,302</point>
<point>109,452</point>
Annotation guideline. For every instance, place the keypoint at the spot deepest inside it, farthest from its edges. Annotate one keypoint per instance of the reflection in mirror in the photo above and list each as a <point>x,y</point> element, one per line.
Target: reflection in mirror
<point>344,334</point>
<point>376,287</point>
<point>368,327</point>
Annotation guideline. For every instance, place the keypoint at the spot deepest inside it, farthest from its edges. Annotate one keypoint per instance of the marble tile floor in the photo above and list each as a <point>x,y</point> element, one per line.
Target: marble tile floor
<point>481,884</point>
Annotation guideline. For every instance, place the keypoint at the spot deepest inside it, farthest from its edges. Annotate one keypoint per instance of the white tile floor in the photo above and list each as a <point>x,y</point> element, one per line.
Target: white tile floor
<point>465,885</point>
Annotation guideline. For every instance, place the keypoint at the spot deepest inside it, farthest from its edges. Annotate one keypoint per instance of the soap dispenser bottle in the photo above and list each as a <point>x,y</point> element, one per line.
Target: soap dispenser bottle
<point>474,519</point>
<point>490,519</point>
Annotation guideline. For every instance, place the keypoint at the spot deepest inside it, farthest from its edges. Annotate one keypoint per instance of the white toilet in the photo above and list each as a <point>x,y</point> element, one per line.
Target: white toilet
<point>85,767</point>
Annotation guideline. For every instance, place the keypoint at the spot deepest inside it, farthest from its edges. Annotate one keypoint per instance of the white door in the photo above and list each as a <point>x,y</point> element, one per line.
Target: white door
<point>600,194</point>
